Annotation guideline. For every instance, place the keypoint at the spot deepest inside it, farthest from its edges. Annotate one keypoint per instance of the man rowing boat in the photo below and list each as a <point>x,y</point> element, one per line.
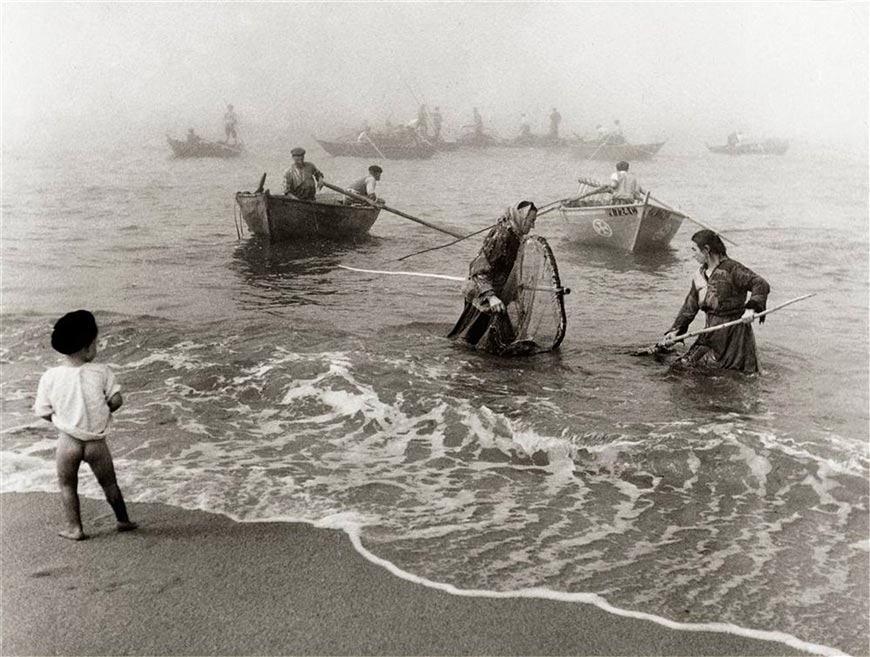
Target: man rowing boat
<point>302,179</point>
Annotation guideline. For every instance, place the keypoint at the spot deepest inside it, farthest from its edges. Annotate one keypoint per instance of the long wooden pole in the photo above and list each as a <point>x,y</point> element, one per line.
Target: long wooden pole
<point>443,277</point>
<point>365,199</point>
<point>719,327</point>
<point>694,221</point>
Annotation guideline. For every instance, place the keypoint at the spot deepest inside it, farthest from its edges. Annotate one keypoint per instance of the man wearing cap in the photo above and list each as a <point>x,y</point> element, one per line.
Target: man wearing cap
<point>366,186</point>
<point>302,179</point>
<point>625,186</point>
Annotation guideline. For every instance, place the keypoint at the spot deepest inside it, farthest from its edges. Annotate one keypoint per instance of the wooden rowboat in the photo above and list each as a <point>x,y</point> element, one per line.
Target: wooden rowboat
<point>391,151</point>
<point>595,150</point>
<point>767,147</point>
<point>636,227</point>
<point>203,148</point>
<point>285,218</point>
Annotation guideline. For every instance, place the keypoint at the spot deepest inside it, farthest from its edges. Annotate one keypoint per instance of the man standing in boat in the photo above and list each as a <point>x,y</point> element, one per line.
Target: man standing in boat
<point>625,187</point>
<point>230,123</point>
<point>302,179</point>
<point>555,120</point>
<point>366,186</point>
<point>436,124</point>
<point>616,136</point>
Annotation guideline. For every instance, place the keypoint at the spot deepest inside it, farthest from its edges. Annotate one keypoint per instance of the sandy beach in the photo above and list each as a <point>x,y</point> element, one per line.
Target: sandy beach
<point>194,583</point>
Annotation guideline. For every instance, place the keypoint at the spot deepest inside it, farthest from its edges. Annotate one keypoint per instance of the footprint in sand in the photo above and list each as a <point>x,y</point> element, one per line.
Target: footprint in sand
<point>58,571</point>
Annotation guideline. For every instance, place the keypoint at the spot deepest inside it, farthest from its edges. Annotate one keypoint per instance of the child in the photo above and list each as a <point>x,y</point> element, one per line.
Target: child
<point>79,398</point>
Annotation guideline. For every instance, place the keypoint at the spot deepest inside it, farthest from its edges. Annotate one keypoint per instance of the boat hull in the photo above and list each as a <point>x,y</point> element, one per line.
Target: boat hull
<point>633,228</point>
<point>598,151</point>
<point>283,218</point>
<point>769,147</point>
<point>369,151</point>
<point>187,149</point>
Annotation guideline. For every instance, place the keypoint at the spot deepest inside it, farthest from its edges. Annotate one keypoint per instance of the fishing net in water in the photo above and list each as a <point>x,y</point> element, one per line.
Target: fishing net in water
<point>534,297</point>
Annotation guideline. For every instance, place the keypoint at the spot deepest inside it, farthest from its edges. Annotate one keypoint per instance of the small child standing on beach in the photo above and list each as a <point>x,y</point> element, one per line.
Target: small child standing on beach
<point>79,398</point>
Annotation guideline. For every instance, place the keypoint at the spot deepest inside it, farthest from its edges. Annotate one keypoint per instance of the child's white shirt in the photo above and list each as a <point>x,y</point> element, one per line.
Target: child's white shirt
<point>77,398</point>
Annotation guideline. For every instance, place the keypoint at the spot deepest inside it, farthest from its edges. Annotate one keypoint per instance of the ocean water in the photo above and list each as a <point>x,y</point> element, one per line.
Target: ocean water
<point>263,382</point>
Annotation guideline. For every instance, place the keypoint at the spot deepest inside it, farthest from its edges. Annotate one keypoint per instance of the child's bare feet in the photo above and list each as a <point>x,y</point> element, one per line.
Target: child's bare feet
<point>127,526</point>
<point>73,534</point>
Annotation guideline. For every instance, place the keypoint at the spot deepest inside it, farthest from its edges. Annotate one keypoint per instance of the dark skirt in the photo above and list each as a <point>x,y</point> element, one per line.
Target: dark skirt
<point>731,348</point>
<point>489,332</point>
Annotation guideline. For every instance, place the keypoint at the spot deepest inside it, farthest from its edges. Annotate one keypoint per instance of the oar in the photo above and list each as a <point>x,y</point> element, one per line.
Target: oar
<point>444,277</point>
<point>365,199</point>
<point>260,186</point>
<point>658,346</point>
<point>383,157</point>
<point>555,205</point>
<point>694,221</point>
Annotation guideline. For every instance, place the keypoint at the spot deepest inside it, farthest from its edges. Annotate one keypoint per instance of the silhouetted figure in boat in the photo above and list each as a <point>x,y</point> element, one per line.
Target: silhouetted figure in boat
<point>423,121</point>
<point>192,137</point>
<point>436,124</point>
<point>525,128</point>
<point>477,124</point>
<point>302,179</point>
<point>231,122</point>
<point>733,139</point>
<point>555,120</point>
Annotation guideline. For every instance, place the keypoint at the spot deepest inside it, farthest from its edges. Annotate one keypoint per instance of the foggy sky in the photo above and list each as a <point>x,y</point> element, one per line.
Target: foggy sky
<point>792,70</point>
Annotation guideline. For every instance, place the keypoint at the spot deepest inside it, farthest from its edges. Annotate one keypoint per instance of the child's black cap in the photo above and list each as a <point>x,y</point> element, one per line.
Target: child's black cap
<point>73,332</point>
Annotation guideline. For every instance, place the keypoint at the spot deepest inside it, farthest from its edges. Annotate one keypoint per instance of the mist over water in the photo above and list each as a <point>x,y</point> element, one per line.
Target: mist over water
<point>262,381</point>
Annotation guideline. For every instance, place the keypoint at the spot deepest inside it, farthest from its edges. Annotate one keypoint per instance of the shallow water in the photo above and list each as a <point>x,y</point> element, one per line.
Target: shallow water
<point>264,382</point>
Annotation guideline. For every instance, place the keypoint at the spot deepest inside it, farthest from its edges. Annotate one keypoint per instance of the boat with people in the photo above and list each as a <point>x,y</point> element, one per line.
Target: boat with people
<point>595,219</point>
<point>602,150</point>
<point>765,147</point>
<point>397,143</point>
<point>280,218</point>
<point>201,148</point>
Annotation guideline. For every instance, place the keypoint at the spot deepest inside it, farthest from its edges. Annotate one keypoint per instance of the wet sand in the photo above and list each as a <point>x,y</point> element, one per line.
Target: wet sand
<point>194,583</point>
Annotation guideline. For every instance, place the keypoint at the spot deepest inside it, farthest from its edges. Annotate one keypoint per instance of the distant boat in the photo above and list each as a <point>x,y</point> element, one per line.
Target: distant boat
<point>391,150</point>
<point>639,226</point>
<point>203,148</point>
<point>285,218</point>
<point>766,147</point>
<point>595,150</point>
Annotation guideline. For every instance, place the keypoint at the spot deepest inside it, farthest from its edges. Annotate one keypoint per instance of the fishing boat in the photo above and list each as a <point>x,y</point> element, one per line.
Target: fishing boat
<point>596,150</point>
<point>766,147</point>
<point>391,150</point>
<point>640,226</point>
<point>286,218</point>
<point>202,148</point>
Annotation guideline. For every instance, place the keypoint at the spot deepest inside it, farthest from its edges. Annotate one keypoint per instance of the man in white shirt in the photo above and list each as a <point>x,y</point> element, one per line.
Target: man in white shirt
<point>625,187</point>
<point>366,186</point>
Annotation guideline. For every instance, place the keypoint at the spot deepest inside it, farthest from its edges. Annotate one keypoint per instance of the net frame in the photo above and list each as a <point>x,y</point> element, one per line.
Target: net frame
<point>533,295</point>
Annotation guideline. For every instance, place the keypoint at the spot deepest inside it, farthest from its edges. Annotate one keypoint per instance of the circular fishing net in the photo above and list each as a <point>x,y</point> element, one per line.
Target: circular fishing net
<point>534,297</point>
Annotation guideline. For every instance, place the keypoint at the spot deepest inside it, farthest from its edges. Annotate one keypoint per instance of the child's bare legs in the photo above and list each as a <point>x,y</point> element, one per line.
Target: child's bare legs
<point>69,456</point>
<point>97,455</point>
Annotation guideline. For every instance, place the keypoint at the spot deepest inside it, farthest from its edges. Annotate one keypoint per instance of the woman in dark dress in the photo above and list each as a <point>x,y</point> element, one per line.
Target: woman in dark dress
<point>484,323</point>
<point>719,288</point>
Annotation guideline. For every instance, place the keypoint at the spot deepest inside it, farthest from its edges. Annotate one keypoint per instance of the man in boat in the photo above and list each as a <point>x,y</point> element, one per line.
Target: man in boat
<point>484,323</point>
<point>626,189</point>
<point>423,121</point>
<point>601,132</point>
<point>525,127</point>
<point>555,120</point>
<point>366,186</point>
<point>192,137</point>
<point>478,123</point>
<point>302,179</point>
<point>733,139</point>
<point>616,137</point>
<point>719,288</point>
<point>230,123</point>
<point>436,124</point>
